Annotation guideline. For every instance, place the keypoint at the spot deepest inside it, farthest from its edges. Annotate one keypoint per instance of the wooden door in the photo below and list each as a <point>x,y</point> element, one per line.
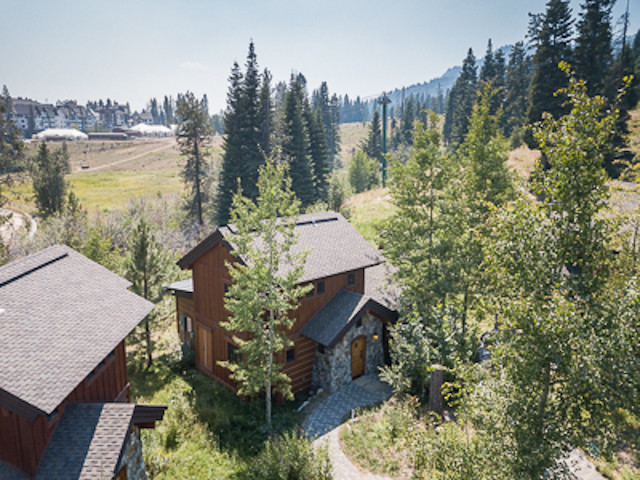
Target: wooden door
<point>204,347</point>
<point>358,356</point>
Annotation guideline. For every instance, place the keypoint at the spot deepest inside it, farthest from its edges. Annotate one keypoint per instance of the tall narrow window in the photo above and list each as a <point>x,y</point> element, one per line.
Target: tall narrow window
<point>351,279</point>
<point>320,287</point>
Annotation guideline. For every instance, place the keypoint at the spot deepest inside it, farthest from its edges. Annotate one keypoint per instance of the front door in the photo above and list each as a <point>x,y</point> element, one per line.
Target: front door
<point>358,356</point>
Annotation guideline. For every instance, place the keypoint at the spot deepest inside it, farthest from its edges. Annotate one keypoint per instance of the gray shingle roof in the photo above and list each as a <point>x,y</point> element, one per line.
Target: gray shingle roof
<point>334,246</point>
<point>333,320</point>
<point>60,315</point>
<point>88,442</point>
<point>379,285</point>
<point>185,286</point>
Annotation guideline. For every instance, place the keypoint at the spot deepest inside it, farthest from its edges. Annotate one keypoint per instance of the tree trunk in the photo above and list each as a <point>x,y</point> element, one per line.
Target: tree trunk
<point>147,332</point>
<point>436,402</point>
<point>544,397</point>
<point>198,193</point>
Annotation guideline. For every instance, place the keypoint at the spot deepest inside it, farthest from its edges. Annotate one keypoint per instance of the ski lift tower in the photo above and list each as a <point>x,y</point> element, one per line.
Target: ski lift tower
<point>384,101</point>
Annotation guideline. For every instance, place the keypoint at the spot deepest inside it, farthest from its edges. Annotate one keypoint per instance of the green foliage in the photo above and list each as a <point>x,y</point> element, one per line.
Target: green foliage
<point>461,100</point>
<point>291,456</point>
<point>47,171</point>
<point>11,146</point>
<point>193,136</point>
<point>146,267</point>
<point>363,172</point>
<point>264,289</point>
<point>338,192</point>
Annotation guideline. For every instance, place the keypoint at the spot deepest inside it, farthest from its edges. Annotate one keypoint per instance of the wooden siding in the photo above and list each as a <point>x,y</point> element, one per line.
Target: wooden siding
<point>209,278</point>
<point>23,442</point>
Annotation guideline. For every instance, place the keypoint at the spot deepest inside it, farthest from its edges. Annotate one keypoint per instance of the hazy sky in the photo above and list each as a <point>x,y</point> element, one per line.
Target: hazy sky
<point>136,49</point>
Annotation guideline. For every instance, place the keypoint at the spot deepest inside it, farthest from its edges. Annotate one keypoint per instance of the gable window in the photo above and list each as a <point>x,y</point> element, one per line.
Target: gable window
<point>291,355</point>
<point>351,279</point>
<point>233,355</point>
<point>320,287</point>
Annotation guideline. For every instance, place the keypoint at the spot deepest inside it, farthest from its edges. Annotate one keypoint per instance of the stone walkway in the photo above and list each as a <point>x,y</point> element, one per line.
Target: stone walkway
<point>328,414</point>
<point>323,423</point>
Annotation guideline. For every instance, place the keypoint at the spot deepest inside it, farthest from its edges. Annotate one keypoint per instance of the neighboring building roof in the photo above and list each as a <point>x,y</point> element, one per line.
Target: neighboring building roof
<point>334,246</point>
<point>88,442</point>
<point>61,314</point>
<point>333,320</point>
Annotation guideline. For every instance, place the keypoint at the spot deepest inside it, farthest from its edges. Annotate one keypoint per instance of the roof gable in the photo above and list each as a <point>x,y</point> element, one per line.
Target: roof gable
<point>334,246</point>
<point>60,315</point>
<point>333,320</point>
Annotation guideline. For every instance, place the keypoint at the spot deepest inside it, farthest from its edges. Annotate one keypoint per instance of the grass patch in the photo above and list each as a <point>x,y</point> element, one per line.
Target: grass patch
<point>368,210</point>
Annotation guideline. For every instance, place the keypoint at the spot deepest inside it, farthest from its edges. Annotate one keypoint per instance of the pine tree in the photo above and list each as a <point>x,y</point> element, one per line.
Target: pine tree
<point>329,111</point>
<point>488,71</point>
<point>373,144</point>
<point>11,146</point>
<point>47,173</point>
<point>517,84</point>
<point>296,146</point>
<point>265,114</point>
<point>593,44</point>
<point>251,156</point>
<point>231,166</point>
<point>193,136</point>
<point>146,268</point>
<point>461,100</point>
<point>319,151</point>
<point>550,34</point>
<point>262,296</point>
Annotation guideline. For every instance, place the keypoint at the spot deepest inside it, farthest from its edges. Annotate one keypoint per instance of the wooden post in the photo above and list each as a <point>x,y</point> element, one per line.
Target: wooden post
<point>436,402</point>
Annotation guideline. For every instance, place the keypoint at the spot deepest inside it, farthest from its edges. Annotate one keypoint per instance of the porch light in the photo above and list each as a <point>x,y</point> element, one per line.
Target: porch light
<point>375,336</point>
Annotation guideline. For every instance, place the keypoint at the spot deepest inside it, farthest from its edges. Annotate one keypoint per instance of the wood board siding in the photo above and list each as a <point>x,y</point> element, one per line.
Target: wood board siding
<point>23,441</point>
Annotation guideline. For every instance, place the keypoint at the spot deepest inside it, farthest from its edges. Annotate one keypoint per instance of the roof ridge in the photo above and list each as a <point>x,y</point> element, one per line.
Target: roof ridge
<point>33,269</point>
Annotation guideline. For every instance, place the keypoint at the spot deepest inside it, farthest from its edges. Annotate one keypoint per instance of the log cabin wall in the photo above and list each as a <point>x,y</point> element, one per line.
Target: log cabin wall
<point>210,275</point>
<point>25,441</point>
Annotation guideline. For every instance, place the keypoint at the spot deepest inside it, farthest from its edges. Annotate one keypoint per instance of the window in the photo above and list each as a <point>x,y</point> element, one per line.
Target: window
<point>233,355</point>
<point>359,322</point>
<point>351,279</point>
<point>186,324</point>
<point>320,287</point>
<point>291,355</point>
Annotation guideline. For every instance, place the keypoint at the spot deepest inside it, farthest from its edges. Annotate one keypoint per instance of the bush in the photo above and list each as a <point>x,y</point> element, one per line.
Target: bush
<point>290,456</point>
<point>363,172</point>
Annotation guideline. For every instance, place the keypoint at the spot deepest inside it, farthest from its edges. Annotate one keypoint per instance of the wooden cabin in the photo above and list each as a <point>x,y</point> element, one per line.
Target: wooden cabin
<point>340,331</point>
<point>64,388</point>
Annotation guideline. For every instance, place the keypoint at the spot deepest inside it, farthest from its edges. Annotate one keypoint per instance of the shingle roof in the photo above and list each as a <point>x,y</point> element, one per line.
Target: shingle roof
<point>185,286</point>
<point>334,246</point>
<point>379,286</point>
<point>60,315</point>
<point>88,442</point>
<point>333,320</point>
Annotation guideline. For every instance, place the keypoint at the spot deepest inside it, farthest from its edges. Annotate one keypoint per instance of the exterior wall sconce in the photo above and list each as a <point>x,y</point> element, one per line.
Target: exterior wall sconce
<point>375,336</point>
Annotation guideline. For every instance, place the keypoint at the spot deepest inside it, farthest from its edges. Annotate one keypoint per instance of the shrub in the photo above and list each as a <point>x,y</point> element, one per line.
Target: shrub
<point>290,456</point>
<point>363,172</point>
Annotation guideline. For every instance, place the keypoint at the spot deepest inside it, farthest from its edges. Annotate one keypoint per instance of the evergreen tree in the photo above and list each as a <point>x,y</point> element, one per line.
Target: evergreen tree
<point>265,115</point>
<point>373,144</point>
<point>461,100</point>
<point>262,295</point>
<point>251,156</point>
<point>231,159</point>
<point>593,44</point>
<point>550,34</point>
<point>319,151</point>
<point>11,146</point>
<point>363,172</point>
<point>330,115</point>
<point>31,123</point>
<point>193,136</point>
<point>168,110</point>
<point>517,85</point>
<point>146,268</point>
<point>296,148</point>
<point>47,174</point>
<point>488,72</point>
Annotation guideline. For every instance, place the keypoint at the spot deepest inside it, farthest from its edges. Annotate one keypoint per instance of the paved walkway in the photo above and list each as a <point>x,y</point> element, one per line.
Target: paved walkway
<point>324,421</point>
<point>328,414</point>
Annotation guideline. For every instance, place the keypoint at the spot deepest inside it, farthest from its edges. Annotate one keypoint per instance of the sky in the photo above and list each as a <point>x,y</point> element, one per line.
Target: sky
<point>131,51</point>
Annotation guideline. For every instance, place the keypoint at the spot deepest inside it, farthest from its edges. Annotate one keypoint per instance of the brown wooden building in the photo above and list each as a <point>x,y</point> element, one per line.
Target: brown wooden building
<point>340,328</point>
<point>64,388</point>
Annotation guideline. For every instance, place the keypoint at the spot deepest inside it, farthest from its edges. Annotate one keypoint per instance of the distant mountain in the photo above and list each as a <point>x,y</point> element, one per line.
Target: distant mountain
<point>434,87</point>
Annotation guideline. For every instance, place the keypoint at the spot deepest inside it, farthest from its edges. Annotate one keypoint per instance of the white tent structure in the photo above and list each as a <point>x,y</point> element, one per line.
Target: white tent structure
<point>152,130</point>
<point>61,134</point>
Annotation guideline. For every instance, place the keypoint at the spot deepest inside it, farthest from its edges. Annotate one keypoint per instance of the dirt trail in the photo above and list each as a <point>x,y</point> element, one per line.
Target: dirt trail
<point>124,160</point>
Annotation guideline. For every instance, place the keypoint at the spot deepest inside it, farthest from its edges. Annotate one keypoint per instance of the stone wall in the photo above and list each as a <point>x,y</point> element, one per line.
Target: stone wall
<point>332,369</point>
<point>132,457</point>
